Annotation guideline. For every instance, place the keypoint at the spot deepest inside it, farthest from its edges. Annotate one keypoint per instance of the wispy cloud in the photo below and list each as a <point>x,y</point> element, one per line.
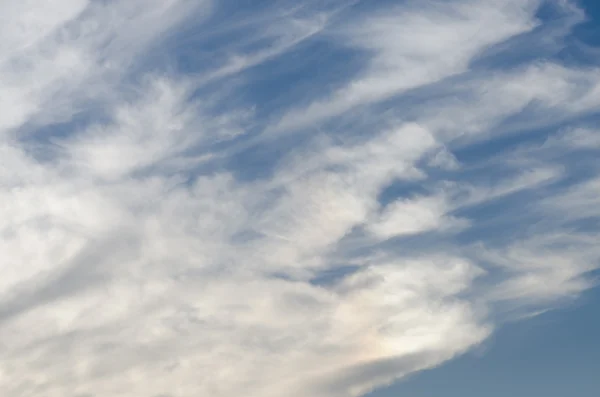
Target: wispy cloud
<point>186,226</point>
<point>413,46</point>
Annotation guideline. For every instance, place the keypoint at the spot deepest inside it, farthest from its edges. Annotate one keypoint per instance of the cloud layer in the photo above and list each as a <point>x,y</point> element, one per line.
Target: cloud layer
<point>309,199</point>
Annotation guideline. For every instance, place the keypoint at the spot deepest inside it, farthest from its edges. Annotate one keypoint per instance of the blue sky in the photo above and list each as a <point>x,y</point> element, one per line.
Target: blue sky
<point>302,198</point>
<point>553,355</point>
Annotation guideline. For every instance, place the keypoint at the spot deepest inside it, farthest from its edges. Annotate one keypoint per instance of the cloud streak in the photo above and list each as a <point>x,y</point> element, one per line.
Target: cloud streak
<point>174,231</point>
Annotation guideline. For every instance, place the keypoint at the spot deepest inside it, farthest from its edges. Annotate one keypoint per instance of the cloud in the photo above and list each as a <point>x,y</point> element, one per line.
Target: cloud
<point>412,216</point>
<point>414,46</point>
<point>159,238</point>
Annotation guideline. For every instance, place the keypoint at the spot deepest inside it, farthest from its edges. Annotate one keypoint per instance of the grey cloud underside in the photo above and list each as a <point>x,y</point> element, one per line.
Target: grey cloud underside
<point>170,227</point>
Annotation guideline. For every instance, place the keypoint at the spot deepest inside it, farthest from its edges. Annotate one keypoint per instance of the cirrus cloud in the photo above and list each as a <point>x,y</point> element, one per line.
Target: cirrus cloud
<point>189,227</point>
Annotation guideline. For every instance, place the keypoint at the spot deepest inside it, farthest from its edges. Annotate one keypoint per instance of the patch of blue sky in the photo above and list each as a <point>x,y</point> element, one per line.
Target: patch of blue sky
<point>554,354</point>
<point>587,32</point>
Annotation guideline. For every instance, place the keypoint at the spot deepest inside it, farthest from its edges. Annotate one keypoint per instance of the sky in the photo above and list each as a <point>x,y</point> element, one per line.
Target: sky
<point>333,198</point>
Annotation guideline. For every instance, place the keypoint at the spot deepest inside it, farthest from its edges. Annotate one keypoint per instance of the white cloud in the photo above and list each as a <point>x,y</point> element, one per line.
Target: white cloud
<point>545,268</point>
<point>581,138</point>
<point>81,52</point>
<point>415,46</point>
<point>133,266</point>
<point>412,216</point>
